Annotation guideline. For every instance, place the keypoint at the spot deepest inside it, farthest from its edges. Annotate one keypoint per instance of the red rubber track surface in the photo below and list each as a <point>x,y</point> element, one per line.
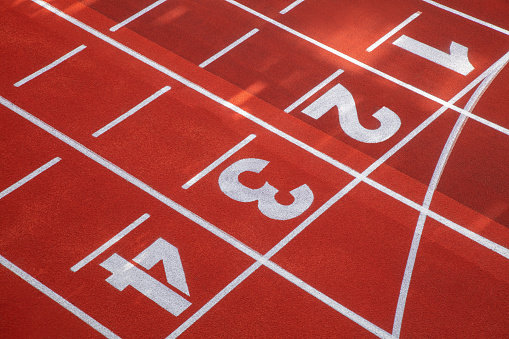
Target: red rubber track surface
<point>391,244</point>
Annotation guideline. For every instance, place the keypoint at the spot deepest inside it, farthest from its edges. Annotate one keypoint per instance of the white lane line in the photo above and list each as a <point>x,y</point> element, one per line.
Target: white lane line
<point>370,69</point>
<point>437,174</point>
<point>468,17</point>
<point>393,31</point>
<point>229,48</point>
<point>131,179</point>
<point>50,66</point>
<point>212,302</point>
<point>313,91</point>
<point>57,298</point>
<point>218,162</point>
<point>291,6</point>
<point>29,177</point>
<point>135,16</point>
<point>178,208</point>
<point>109,243</point>
<point>132,111</point>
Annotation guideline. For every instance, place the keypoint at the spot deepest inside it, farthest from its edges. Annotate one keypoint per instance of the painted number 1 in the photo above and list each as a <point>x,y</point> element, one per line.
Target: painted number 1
<point>267,204</point>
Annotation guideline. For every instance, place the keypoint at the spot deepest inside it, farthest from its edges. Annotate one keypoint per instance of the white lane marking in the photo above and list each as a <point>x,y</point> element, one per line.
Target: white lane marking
<point>135,16</point>
<point>393,31</point>
<point>313,91</point>
<point>456,60</point>
<point>132,111</point>
<point>468,17</point>
<point>129,178</point>
<point>370,69</point>
<point>57,298</point>
<point>109,243</point>
<point>212,302</point>
<point>29,177</point>
<point>291,6</point>
<point>185,212</point>
<point>228,48</point>
<point>218,162</point>
<point>437,174</point>
<point>50,66</point>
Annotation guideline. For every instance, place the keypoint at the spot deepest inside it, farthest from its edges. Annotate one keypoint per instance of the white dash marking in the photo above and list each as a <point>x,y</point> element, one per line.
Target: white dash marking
<point>313,91</point>
<point>29,177</point>
<point>468,17</point>
<point>109,243</point>
<point>57,298</point>
<point>291,6</point>
<point>132,111</point>
<point>50,66</point>
<point>228,48</point>
<point>135,16</point>
<point>393,31</point>
<point>218,162</point>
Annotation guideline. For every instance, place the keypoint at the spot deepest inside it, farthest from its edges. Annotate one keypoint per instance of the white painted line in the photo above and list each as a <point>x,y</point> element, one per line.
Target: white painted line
<point>28,177</point>
<point>393,31</point>
<point>132,111</point>
<point>212,302</point>
<point>218,162</point>
<point>370,69</point>
<point>50,66</point>
<point>313,91</point>
<point>437,174</point>
<point>291,6</point>
<point>109,243</point>
<point>57,298</point>
<point>228,48</point>
<point>131,179</point>
<point>468,17</point>
<point>135,16</point>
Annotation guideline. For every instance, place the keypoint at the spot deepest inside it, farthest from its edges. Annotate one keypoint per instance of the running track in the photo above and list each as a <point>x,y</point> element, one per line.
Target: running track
<point>178,169</point>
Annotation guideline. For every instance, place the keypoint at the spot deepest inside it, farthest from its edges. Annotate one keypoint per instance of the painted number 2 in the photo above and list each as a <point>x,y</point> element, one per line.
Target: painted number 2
<point>267,204</point>
<point>340,97</point>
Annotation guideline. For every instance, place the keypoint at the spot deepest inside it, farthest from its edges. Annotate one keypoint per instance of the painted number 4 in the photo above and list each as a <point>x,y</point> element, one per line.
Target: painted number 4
<point>267,204</point>
<point>126,274</point>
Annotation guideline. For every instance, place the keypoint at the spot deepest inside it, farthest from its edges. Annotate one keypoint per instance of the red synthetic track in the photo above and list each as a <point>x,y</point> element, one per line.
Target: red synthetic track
<point>333,270</point>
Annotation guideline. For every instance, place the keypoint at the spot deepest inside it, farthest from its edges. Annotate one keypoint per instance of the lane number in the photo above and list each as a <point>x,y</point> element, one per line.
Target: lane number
<point>230,185</point>
<point>338,96</point>
<point>126,274</point>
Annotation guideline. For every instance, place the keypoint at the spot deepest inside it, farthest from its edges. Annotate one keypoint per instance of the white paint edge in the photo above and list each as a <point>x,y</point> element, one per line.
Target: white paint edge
<point>135,16</point>
<point>50,66</point>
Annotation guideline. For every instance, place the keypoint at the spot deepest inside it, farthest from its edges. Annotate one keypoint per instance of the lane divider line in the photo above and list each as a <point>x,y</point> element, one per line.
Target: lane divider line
<point>29,177</point>
<point>313,91</point>
<point>109,243</point>
<point>229,48</point>
<point>218,162</point>
<point>186,213</point>
<point>58,299</point>
<point>291,6</point>
<point>468,17</point>
<point>50,66</point>
<point>132,111</point>
<point>393,31</point>
<point>135,16</point>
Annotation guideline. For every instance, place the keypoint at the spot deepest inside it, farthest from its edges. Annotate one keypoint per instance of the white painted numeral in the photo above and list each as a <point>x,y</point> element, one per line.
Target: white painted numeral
<point>267,204</point>
<point>340,97</point>
<point>126,274</point>
<point>456,59</point>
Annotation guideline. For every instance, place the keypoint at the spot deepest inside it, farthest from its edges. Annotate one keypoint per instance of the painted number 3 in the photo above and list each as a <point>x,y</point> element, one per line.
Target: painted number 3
<point>267,204</point>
